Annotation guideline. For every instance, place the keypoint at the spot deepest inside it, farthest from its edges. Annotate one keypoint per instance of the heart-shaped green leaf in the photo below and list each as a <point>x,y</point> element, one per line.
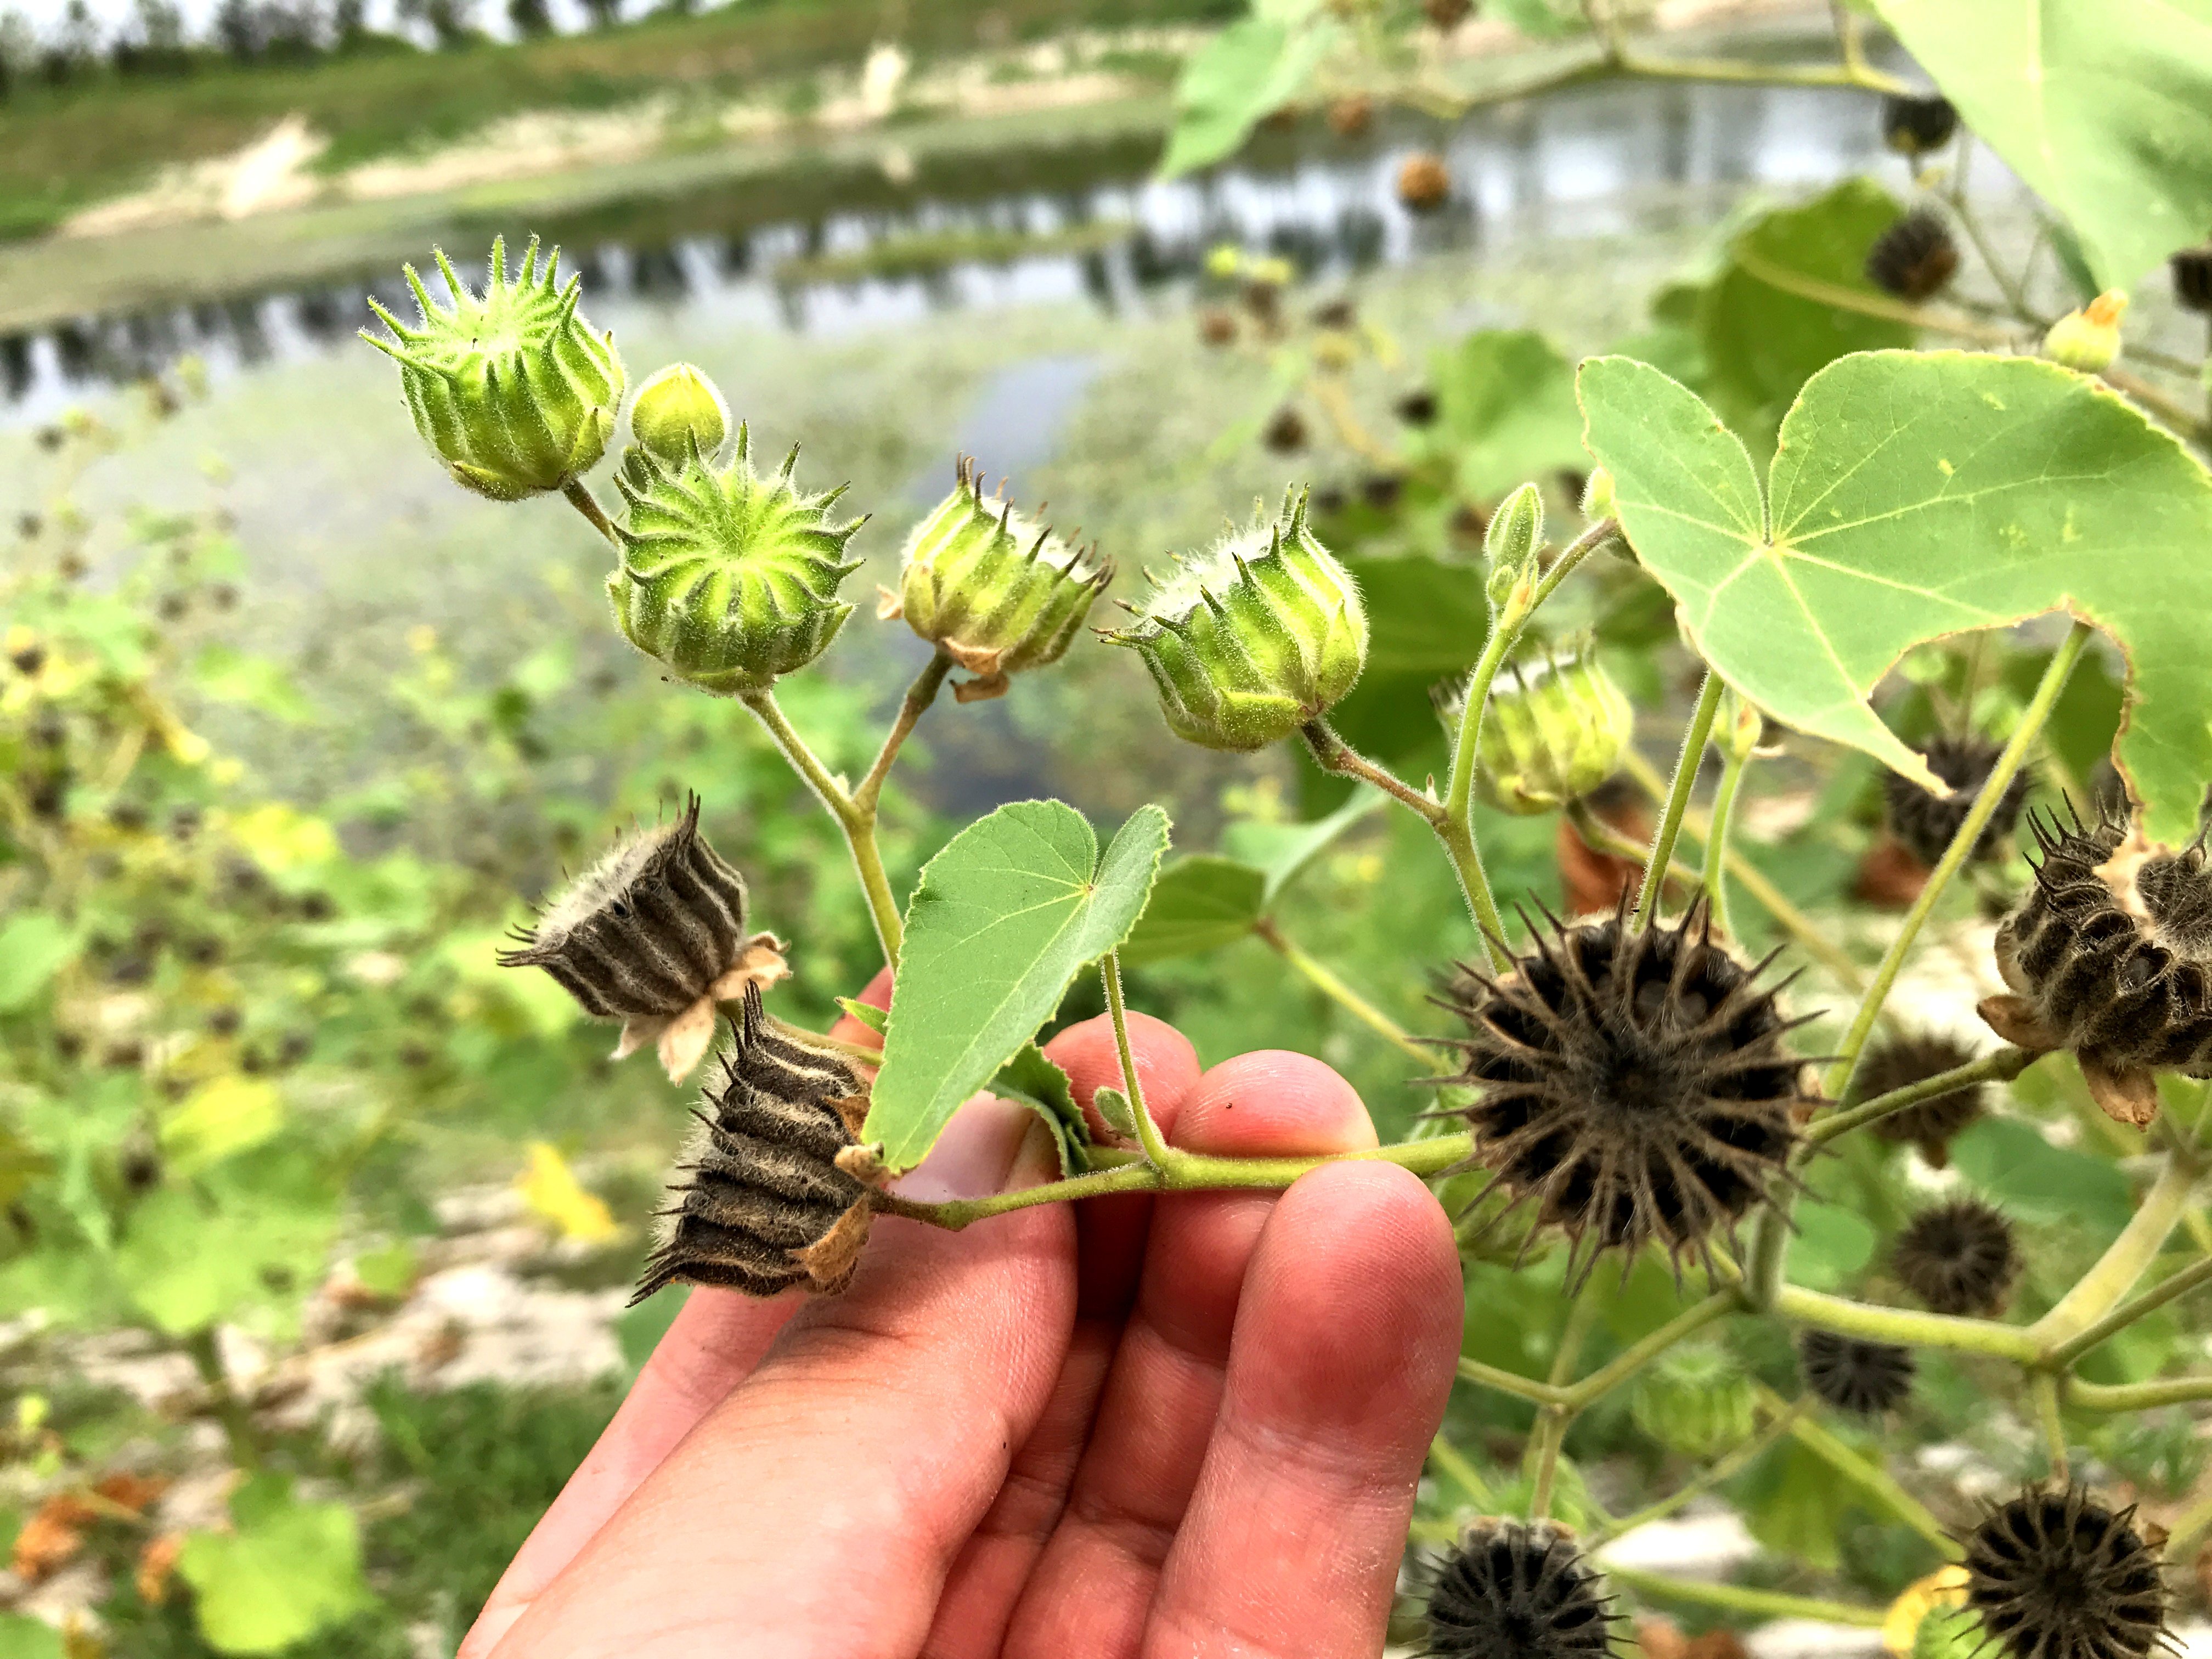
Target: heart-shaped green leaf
<point>2104,109</point>
<point>1916,494</point>
<point>1200,905</point>
<point>1003,918</point>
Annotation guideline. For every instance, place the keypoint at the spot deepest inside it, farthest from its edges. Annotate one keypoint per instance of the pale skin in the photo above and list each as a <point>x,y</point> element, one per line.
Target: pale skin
<point>1187,1427</point>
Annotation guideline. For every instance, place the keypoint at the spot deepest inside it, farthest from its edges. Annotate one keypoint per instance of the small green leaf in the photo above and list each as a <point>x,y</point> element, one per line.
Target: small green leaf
<point>1199,904</point>
<point>25,1637</point>
<point>1031,1077</point>
<point>290,1570</point>
<point>867,1013</point>
<point>33,948</point>
<point>189,1264</point>
<point>1237,79</point>
<point>1116,1111</point>
<point>2011,1161</point>
<point>1004,917</point>
<point>223,1116</point>
<point>1832,1244</point>
<point>1283,851</point>
<point>229,675</point>
<point>1918,495</point>
<point>1790,1503</point>
<point>1505,410</point>
<point>2104,111</point>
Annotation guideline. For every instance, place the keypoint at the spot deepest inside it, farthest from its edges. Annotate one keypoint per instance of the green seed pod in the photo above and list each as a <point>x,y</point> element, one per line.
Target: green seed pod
<point>1698,1401</point>
<point>513,391</point>
<point>1553,732</point>
<point>1252,638</point>
<point>679,408</point>
<point>727,577</point>
<point>995,591</point>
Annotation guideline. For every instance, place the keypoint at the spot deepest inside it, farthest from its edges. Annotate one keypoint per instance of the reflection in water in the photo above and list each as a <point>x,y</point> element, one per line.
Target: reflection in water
<point>1603,160</point>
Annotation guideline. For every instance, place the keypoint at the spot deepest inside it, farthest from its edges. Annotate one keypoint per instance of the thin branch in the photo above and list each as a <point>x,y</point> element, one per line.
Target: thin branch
<point>1721,1469</point>
<point>919,696</point>
<point>1332,754</point>
<point>1736,1598</point>
<point>1148,1133</point>
<point>580,496</point>
<point>2001,1066</point>
<point>1325,980</point>
<point>1700,730</point>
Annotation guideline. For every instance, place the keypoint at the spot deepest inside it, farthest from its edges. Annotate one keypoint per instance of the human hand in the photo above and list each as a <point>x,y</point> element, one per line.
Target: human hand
<point>1187,1425</point>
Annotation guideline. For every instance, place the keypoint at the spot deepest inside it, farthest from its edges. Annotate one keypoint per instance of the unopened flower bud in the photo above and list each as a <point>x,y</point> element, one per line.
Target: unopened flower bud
<point>677,410</point>
<point>2088,339</point>
<point>1553,732</point>
<point>1509,545</point>
<point>995,591</point>
<point>1739,728</point>
<point>1224,260</point>
<point>729,578</point>
<point>1597,495</point>
<point>512,391</point>
<point>778,1188</point>
<point>654,935</point>
<point>1252,639</point>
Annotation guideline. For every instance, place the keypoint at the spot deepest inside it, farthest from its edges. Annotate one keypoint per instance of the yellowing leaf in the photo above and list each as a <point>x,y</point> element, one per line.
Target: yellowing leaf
<point>282,839</point>
<point>549,1186</point>
<point>225,1115</point>
<point>1946,1587</point>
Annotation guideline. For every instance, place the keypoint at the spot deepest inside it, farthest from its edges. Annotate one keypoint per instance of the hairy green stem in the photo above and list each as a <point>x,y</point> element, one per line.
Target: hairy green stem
<point>1148,1133</point>
<point>1333,754</point>
<point>580,496</point>
<point>1554,1419</point>
<point>1325,980</point>
<point>1770,1243</point>
<point>858,826</point>
<point>1662,856</point>
<point>1721,1469</point>
<point>2001,1066</point>
<point>238,1430</point>
<point>2043,1390</point>
<point>1737,1598</point>
<point>919,696</point>
<point>955,1213</point>
<point>2136,1396</point>
<point>1448,1458</point>
<point>1907,1326</point>
<point>1640,1353</point>
<point>1716,840</point>
<point>2124,1261</point>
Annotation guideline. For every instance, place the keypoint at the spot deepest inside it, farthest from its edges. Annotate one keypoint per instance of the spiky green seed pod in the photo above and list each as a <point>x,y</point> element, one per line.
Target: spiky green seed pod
<point>678,408</point>
<point>512,389</point>
<point>1254,637</point>
<point>1698,1401</point>
<point>1553,732</point>
<point>997,592</point>
<point>727,577</point>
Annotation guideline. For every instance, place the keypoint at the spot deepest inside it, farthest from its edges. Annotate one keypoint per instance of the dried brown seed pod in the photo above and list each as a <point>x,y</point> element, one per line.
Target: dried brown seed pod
<point>1217,327</point>
<point>1517,1589</point>
<point>1913,126</point>
<point>2056,1574</point>
<point>1424,182</point>
<point>1926,824</point>
<point>1959,1257</point>
<point>653,935</point>
<point>1637,1086</point>
<point>1914,257</point>
<point>1447,15</point>
<point>1350,116</point>
<point>1285,431</point>
<point>770,1202</point>
<point>2110,956</point>
<point>1418,408</point>
<point>1910,1057</point>
<point>2191,269</point>
<point>1862,1378</point>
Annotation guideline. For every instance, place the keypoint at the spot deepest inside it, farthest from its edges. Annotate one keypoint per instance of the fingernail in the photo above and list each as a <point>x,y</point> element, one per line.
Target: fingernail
<point>974,1155</point>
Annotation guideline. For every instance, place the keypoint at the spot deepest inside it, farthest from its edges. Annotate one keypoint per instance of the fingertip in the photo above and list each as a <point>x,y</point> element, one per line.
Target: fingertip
<point>1167,1065</point>
<point>1367,1222</point>
<point>1275,1102</point>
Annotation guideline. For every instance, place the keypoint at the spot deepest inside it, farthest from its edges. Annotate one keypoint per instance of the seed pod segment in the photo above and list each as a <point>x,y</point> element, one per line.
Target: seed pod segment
<point>1634,1085</point>
<point>1926,822</point>
<point>1517,1589</point>
<point>2110,956</point>
<point>778,1193</point>
<point>1252,639</point>
<point>653,935</point>
<point>1862,1378</point>
<point>1959,1257</point>
<point>2056,1574</point>
<point>512,390</point>
<point>728,577</point>
<point>997,592</point>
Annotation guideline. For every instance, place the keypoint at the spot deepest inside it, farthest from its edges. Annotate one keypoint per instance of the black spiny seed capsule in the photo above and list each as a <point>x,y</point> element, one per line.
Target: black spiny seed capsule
<point>1509,1589</point>
<point>2110,956</point>
<point>1959,1257</point>
<point>1418,408</point>
<point>770,1203</point>
<point>1911,1057</point>
<point>1864,1378</point>
<point>1913,126</point>
<point>654,934</point>
<point>1914,257</point>
<point>1285,431</point>
<point>2055,1574</point>
<point>2192,277</point>
<point>1926,824</point>
<point>1636,1084</point>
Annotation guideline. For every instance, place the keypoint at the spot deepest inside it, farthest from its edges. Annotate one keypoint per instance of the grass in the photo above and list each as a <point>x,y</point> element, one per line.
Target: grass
<point>62,148</point>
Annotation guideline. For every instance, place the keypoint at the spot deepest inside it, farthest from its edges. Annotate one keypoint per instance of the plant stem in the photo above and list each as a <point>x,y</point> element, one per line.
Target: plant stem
<point>1332,754</point>
<point>1512,1382</point>
<point>581,497</point>
<point>1640,1353</point>
<point>1324,980</point>
<point>1448,1458</point>
<point>955,1213</point>
<point>1723,1468</point>
<point>919,696</point>
<point>1678,799</point>
<point>1552,1421</point>
<point>1772,1604</point>
<point>2001,1066</point>
<point>2125,1260</point>
<point>2136,1396</point>
<point>2043,1389</point>
<point>1716,840</point>
<point>1771,1240</point>
<point>1869,1478</point>
<point>858,826</point>
<point>1906,1326</point>
<point>1148,1133</point>
<point>2196,1273</point>
<point>238,1430</point>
